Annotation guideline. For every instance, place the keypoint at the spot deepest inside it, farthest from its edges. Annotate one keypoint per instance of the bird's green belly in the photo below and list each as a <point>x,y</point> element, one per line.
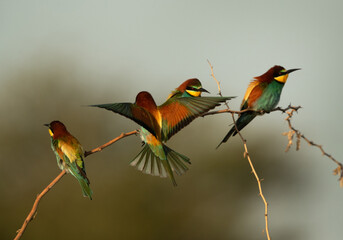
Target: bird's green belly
<point>154,144</point>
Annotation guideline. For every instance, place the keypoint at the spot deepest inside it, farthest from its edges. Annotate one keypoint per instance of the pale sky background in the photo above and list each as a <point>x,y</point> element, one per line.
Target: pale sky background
<point>111,50</point>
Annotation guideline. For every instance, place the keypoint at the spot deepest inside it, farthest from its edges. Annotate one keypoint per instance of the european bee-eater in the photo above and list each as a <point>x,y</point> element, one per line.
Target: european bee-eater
<point>69,154</point>
<point>263,94</point>
<point>177,112</point>
<point>161,122</point>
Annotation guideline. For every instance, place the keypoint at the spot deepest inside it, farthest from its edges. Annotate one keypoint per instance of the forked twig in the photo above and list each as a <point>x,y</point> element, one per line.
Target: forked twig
<point>295,132</point>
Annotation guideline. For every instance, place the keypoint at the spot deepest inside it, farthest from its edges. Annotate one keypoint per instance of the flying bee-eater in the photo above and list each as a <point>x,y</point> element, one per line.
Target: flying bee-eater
<point>182,106</point>
<point>262,95</point>
<point>69,154</point>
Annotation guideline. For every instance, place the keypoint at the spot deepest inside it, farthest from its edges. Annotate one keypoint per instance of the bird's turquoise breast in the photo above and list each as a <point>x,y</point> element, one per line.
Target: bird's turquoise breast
<point>270,97</point>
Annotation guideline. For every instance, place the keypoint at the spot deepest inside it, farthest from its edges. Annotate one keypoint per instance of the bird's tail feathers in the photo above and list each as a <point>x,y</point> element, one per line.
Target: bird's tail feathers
<point>176,160</point>
<point>86,190</point>
<point>241,122</point>
<point>81,177</point>
<point>147,162</point>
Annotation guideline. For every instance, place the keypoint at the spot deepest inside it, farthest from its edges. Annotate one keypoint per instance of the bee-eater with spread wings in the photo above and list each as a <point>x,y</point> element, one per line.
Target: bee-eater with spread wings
<point>159,123</point>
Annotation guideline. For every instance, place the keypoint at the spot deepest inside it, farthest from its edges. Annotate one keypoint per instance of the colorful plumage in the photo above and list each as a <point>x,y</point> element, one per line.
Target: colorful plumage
<point>157,159</point>
<point>69,154</point>
<point>263,94</point>
<point>183,105</point>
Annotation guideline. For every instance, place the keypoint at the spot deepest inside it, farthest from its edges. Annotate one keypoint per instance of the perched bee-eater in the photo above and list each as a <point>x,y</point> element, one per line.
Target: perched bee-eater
<point>69,154</point>
<point>263,94</point>
<point>159,123</point>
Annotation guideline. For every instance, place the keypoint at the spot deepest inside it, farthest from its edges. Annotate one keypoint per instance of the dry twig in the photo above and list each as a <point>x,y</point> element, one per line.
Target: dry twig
<point>295,132</point>
<point>246,153</point>
<point>33,211</point>
<point>98,149</point>
<point>283,110</point>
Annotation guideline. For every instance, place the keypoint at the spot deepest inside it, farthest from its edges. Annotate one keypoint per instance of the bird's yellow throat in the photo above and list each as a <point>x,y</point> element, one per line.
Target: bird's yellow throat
<point>193,93</point>
<point>51,133</point>
<point>282,79</point>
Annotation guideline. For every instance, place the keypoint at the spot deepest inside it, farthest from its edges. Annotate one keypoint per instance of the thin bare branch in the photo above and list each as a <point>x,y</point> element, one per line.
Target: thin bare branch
<point>215,79</point>
<point>98,149</point>
<point>295,132</point>
<point>246,152</point>
<point>247,110</point>
<point>33,211</point>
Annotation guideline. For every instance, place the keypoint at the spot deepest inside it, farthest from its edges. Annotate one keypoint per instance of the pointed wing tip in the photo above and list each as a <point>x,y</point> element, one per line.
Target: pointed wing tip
<point>229,98</point>
<point>93,105</point>
<point>103,105</point>
<point>86,105</point>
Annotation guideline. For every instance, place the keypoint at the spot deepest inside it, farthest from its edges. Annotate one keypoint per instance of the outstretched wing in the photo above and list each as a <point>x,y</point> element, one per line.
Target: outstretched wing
<point>179,112</point>
<point>136,113</point>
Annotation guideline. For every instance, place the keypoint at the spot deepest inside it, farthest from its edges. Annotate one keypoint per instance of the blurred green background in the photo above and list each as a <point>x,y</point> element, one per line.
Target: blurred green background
<point>58,56</point>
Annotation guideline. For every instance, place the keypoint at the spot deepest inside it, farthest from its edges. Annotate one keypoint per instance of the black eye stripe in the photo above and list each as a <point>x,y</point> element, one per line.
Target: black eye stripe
<point>279,74</point>
<point>191,88</point>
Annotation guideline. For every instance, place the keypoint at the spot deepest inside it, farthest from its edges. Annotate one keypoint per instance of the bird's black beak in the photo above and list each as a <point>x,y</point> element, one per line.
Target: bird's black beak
<point>291,70</point>
<point>47,125</point>
<point>203,90</point>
